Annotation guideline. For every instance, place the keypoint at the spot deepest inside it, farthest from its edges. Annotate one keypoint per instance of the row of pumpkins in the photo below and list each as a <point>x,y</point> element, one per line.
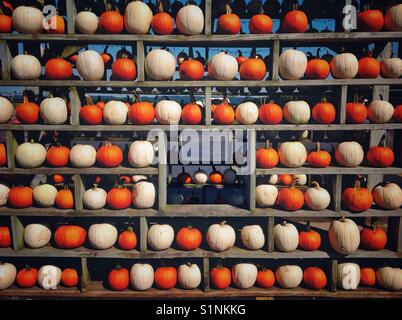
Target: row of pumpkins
<point>160,64</point>
<point>343,234</point>
<point>138,18</point>
<point>142,276</point>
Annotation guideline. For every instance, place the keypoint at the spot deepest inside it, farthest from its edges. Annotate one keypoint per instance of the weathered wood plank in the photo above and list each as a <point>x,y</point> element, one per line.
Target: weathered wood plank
<point>17,233</point>
<point>270,234</point>
<point>208,103</point>
<point>334,275</point>
<point>342,104</point>
<point>162,170</point>
<point>6,58</point>
<point>92,170</point>
<point>330,170</point>
<point>143,234</point>
<point>71,14</point>
<point>85,275</point>
<point>11,147</point>
<point>205,266</point>
<point>336,194</point>
<point>252,139</point>
<point>79,191</point>
<point>140,60</point>
<point>275,60</point>
<point>75,106</point>
<point>208,17</point>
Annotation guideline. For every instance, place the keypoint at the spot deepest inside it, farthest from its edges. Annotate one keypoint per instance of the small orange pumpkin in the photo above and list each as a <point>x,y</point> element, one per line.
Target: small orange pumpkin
<point>58,155</point>
<point>124,69</point>
<point>3,155</point>
<point>127,239</point>
<point>20,197</point>
<point>141,112</point>
<point>295,21</point>
<point>215,177</point>
<point>57,25</point>
<point>367,277</point>
<point>314,278</point>
<point>91,113</point>
<point>267,157</point>
<point>119,279</point>
<point>357,198</point>
<point>191,69</point>
<point>253,69</point>
<point>398,113</point>
<point>324,112</point>
<point>165,277</point>
<point>183,177</point>
<point>64,198</point>
<point>27,112</point>
<point>260,23</point>
<point>69,277</point>
<point>369,67</point>
<point>223,113</point>
<point>109,155</point>
<point>356,112</point>
<point>58,69</point>
<point>265,278</point>
<point>5,23</point>
<point>317,68</point>
<point>229,23</point>
<point>270,113</point>
<point>111,21</point>
<point>191,114</point>
<point>291,198</point>
<point>118,198</point>
<point>27,277</point>
<point>319,158</point>
<point>381,155</point>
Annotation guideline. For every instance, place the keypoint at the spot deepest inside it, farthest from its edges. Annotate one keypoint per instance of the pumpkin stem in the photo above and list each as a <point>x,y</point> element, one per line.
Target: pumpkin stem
<point>240,54</point>
<point>293,183</point>
<point>284,222</point>
<point>315,184</point>
<point>383,141</point>
<point>261,267</point>
<point>267,144</point>
<point>324,99</point>
<point>228,9</point>
<point>261,8</point>
<point>95,185</point>
<point>342,219</point>
<point>118,267</point>
<point>223,223</point>
<point>318,53</point>
<point>308,226</point>
<point>160,6</point>
<point>357,184</point>
<point>27,267</point>
<point>88,99</point>
<point>318,146</point>
<point>130,229</point>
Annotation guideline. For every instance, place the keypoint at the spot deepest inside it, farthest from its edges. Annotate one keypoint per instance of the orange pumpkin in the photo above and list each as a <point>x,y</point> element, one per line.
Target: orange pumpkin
<point>124,69</point>
<point>319,158</point>
<point>265,278</point>
<point>295,21</point>
<point>58,69</point>
<point>162,23</point>
<point>20,197</point>
<point>221,277</point>
<point>229,23</point>
<point>317,68</point>
<point>165,277</point>
<point>91,113</point>
<point>291,198</point>
<point>253,69</point>
<point>191,114</point>
<point>106,57</point>
<point>69,236</point>
<point>367,277</point>
<point>314,278</point>
<point>191,69</point>
<point>26,277</point>
<point>5,237</point>
<point>57,25</point>
<point>215,177</point>
<point>357,198</point>
<point>324,112</point>
<point>119,279</point>
<point>285,179</point>
<point>5,23</point>
<point>240,58</point>
<point>118,198</point>
<point>27,112</point>
<point>381,155</point>
<point>369,67</point>
<point>3,155</point>
<point>356,112</point>
<point>270,113</point>
<point>184,177</point>
<point>370,20</point>
<point>188,238</point>
<point>109,155</point>
<point>58,178</point>
<point>58,155</point>
<point>374,238</point>
<point>69,277</point>
<point>127,239</point>
<point>309,240</point>
<point>111,22</point>
<point>73,59</point>
<point>64,198</point>
<point>260,24</point>
<point>398,113</point>
<point>223,113</point>
<point>141,112</point>
<point>267,157</point>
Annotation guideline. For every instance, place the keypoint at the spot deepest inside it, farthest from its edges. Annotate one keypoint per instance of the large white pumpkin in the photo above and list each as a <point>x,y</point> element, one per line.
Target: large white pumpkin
<point>190,20</point>
<point>4,190</point>
<point>292,154</point>
<point>393,18</point>
<point>244,275</point>
<point>316,197</point>
<point>37,235</point>
<point>27,19</point>
<point>143,195</point>
<point>90,65</point>
<point>138,177</point>
<point>26,67</point>
<point>292,64</point>
<point>297,112</point>
<point>141,276</point>
<point>289,276</point>
<point>286,237</point>
<point>391,68</point>
<point>141,154</point>
<point>137,17</point>
<point>344,236</point>
<point>189,276</point>
<point>247,113</point>
<point>94,198</point>
<point>301,179</point>
<point>222,66</point>
<point>349,154</point>
<point>49,277</point>
<point>220,237</point>
<point>30,155</point>
<point>160,236</point>
<point>115,112</point>
<point>253,237</point>
<point>344,66</point>
<point>273,179</point>
<point>200,177</point>
<point>160,65</point>
<point>6,110</point>
<point>82,156</point>
<point>379,111</point>
<point>53,110</point>
<point>229,176</point>
<point>86,22</point>
<point>388,196</point>
<point>168,112</point>
<point>348,276</point>
<point>265,195</point>
<point>102,236</point>
<point>44,195</point>
<point>8,272</point>
<point>389,278</point>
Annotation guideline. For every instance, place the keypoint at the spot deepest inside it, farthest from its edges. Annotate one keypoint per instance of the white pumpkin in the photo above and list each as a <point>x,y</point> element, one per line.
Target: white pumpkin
<point>160,65</point>
<point>4,190</point>
<point>247,113</point>
<point>244,275</point>
<point>253,237</point>
<point>102,235</point>
<point>286,237</point>
<point>138,177</point>
<point>289,276</point>
<point>190,20</point>
<point>49,277</point>
<point>297,112</point>
<point>115,112</point>
<point>379,111</point>
<point>44,195</point>
<point>391,68</point>
<point>273,179</point>
<point>344,236</point>
<point>220,237</point>
<point>200,177</point>
<point>317,198</point>
<point>229,176</point>
<point>265,195</point>
<point>94,198</point>
<point>6,110</point>
<point>292,154</point>
<point>37,235</point>
<point>90,65</point>
<point>344,66</point>
<point>222,66</point>
<point>349,154</point>
<point>389,278</point>
<point>301,179</point>
<point>27,20</point>
<point>141,276</point>
<point>292,64</point>
<point>86,22</point>
<point>160,236</point>
<point>30,155</point>
<point>348,276</point>
<point>143,195</point>
<point>82,156</point>
<point>393,18</point>
<point>26,67</point>
<point>137,17</point>
<point>168,112</point>
<point>388,196</point>
<point>8,272</point>
<point>141,154</point>
<point>53,110</point>
<point>189,276</point>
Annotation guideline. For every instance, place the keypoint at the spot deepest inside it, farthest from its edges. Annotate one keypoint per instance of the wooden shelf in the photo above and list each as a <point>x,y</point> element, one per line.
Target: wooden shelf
<point>91,170</point>
<point>330,170</point>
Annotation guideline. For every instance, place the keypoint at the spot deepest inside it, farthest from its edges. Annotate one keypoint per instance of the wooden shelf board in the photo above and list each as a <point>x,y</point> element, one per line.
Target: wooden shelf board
<point>70,170</point>
<point>329,170</point>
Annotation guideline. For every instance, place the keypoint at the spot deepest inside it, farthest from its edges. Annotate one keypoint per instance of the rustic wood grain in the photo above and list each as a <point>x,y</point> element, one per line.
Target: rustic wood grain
<point>91,170</point>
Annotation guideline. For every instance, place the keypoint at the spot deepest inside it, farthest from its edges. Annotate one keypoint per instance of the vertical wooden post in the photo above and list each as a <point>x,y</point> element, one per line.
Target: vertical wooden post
<point>79,190</point>
<point>334,274</point>
<point>11,146</point>
<point>208,102</point>
<point>162,170</point>
<point>207,285</point>
<point>342,104</point>
<point>395,234</point>
<point>143,234</point>
<point>336,191</point>
<point>275,60</point>
<point>208,17</point>
<point>17,230</point>
<point>85,276</point>
<point>75,106</point>
<point>141,60</point>
<point>270,234</point>
<point>6,58</point>
<point>71,14</point>
<point>252,136</point>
